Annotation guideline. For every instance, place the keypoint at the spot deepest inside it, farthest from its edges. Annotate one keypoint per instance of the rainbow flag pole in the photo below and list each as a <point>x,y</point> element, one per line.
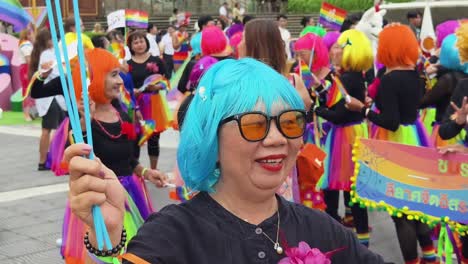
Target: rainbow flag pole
<point>331,17</point>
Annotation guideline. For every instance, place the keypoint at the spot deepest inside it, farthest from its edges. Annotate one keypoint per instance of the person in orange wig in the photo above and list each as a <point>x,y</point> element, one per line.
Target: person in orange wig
<point>113,143</point>
<point>400,91</point>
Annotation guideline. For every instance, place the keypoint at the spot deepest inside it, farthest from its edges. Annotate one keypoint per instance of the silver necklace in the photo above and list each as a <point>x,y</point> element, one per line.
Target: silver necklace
<point>276,245</point>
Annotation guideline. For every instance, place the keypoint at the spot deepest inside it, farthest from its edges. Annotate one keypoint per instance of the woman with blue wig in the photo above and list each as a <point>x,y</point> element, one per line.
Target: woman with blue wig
<point>439,95</point>
<point>240,140</point>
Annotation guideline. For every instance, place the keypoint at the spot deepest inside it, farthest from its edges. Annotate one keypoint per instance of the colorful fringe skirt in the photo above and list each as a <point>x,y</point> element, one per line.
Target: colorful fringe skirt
<point>428,116</point>
<point>339,167</point>
<point>155,107</point>
<point>138,207</point>
<point>413,134</point>
<point>309,134</point>
<point>437,141</point>
<point>57,148</point>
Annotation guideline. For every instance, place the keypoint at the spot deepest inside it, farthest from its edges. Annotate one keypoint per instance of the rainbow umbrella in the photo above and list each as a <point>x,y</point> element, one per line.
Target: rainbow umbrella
<point>12,11</point>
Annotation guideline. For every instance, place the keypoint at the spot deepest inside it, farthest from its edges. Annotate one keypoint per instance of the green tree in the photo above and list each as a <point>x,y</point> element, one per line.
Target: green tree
<point>313,6</point>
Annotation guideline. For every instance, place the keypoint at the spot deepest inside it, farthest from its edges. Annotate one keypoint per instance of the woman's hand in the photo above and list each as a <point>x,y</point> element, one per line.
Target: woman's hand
<point>354,104</point>
<point>457,148</point>
<point>460,115</point>
<point>138,116</point>
<point>92,183</point>
<point>154,87</point>
<point>158,178</point>
<point>368,101</point>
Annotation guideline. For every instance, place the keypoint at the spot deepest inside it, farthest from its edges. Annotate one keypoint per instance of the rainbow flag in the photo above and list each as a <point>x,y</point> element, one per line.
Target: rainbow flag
<point>331,17</point>
<point>12,11</point>
<point>147,129</point>
<point>335,93</point>
<point>126,98</point>
<point>136,18</point>
<point>37,15</point>
<point>306,75</point>
<point>156,79</point>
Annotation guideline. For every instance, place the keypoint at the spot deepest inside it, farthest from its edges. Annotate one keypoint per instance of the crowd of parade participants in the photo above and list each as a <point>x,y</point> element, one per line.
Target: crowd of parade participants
<point>244,111</point>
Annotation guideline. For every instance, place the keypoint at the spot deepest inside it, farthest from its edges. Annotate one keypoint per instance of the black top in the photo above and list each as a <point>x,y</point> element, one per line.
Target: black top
<point>116,154</point>
<point>202,231</point>
<point>398,99</point>
<point>449,129</point>
<point>140,71</point>
<point>41,90</point>
<point>338,114</point>
<point>439,95</point>
<point>184,79</point>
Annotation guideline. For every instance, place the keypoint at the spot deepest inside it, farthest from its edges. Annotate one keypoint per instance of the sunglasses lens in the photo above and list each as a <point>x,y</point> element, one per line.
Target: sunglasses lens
<point>292,124</point>
<point>253,126</point>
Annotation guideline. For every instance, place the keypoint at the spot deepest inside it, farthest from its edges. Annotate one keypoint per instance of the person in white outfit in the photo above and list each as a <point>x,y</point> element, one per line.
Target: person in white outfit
<point>152,31</point>
<point>51,109</point>
<point>285,35</point>
<point>167,49</point>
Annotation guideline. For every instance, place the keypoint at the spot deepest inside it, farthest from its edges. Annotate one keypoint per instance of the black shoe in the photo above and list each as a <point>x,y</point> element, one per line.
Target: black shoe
<point>42,167</point>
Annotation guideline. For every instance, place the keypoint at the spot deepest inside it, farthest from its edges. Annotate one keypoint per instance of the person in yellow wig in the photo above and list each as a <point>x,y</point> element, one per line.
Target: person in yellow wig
<point>357,58</point>
<point>70,33</point>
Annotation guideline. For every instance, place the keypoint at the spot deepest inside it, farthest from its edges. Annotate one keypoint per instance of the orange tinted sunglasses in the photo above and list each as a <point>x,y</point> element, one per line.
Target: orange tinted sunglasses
<point>254,126</point>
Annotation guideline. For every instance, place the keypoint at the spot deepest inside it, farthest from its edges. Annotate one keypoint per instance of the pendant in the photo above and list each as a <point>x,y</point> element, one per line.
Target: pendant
<point>278,248</point>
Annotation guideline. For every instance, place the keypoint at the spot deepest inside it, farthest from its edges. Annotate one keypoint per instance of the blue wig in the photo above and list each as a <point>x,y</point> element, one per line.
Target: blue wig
<point>229,87</point>
<point>450,56</point>
<point>195,43</point>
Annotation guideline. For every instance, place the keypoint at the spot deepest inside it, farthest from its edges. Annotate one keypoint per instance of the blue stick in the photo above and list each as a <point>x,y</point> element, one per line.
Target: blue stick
<point>81,57</point>
<point>98,227</point>
<point>78,134</point>
<point>97,216</point>
<point>53,32</point>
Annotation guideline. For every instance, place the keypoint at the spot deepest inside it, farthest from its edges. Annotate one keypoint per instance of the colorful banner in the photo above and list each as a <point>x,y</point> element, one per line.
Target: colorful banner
<point>136,18</point>
<point>331,17</point>
<point>417,182</point>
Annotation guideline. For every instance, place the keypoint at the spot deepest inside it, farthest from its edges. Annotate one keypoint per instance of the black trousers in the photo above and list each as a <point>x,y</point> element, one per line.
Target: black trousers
<point>361,219</point>
<point>169,63</point>
<point>153,146</point>
<point>409,232</point>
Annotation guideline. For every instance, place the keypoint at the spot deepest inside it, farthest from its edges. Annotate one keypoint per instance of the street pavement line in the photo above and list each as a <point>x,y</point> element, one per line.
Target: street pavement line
<point>32,192</point>
<point>20,131</point>
<point>165,142</point>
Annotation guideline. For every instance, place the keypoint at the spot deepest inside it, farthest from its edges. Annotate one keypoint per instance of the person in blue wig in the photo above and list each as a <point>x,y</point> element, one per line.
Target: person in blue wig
<point>241,136</point>
<point>439,96</point>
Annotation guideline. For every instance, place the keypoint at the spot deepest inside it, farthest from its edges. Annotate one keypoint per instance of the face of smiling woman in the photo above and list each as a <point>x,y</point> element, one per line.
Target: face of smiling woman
<point>112,83</point>
<point>260,167</point>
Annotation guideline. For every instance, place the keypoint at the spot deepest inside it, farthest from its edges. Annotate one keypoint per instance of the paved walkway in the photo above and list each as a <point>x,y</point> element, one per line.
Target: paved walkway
<point>32,203</point>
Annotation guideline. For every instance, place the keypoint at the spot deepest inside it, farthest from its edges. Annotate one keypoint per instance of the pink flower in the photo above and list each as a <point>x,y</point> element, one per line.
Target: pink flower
<point>152,67</point>
<point>303,254</point>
